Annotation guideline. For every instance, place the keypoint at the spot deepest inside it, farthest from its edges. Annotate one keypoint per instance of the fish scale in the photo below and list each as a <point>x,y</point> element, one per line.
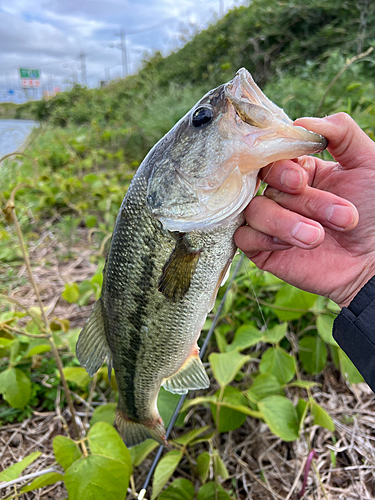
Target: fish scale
<point>173,244</point>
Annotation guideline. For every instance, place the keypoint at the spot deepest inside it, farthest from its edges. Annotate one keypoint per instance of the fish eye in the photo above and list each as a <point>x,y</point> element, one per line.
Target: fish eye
<point>202,116</point>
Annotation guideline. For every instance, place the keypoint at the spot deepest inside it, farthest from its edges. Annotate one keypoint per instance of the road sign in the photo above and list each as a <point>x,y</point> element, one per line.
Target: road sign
<point>30,78</point>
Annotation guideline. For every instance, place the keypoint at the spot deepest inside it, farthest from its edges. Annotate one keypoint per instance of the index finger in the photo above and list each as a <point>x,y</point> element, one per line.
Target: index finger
<point>290,176</point>
<point>347,142</point>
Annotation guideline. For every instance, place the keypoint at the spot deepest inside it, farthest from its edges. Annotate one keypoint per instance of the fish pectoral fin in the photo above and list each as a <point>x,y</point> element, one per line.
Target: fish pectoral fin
<point>177,272</point>
<point>92,347</point>
<point>190,376</point>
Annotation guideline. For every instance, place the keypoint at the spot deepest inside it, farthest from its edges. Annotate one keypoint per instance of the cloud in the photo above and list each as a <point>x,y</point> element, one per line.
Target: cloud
<point>47,34</point>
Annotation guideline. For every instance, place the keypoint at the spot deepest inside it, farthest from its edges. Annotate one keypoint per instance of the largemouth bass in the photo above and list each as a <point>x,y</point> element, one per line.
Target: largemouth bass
<point>172,246</point>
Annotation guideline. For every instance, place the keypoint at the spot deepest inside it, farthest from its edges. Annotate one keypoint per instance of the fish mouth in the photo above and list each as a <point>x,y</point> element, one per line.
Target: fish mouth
<point>252,132</point>
<point>272,136</point>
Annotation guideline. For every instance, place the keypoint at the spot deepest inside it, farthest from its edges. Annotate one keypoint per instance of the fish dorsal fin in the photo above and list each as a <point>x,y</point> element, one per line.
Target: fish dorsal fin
<point>92,347</point>
<point>190,376</point>
<point>177,272</point>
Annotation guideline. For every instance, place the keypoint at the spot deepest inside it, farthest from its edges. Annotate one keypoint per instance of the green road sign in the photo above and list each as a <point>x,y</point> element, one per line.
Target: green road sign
<point>30,73</point>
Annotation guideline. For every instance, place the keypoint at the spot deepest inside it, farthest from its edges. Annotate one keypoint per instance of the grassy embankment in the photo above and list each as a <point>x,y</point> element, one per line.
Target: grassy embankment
<point>12,111</point>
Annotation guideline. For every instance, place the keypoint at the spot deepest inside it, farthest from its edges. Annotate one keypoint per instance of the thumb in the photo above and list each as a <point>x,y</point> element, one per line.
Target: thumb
<point>347,142</point>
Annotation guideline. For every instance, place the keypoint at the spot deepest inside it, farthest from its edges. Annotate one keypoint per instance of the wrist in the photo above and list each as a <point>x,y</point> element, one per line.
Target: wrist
<point>355,289</point>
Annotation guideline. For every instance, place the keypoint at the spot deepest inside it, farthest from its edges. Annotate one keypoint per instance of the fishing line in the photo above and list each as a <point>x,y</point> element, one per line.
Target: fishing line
<point>183,397</point>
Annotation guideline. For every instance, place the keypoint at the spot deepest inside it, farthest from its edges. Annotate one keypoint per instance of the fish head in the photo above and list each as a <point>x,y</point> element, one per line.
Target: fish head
<point>204,171</point>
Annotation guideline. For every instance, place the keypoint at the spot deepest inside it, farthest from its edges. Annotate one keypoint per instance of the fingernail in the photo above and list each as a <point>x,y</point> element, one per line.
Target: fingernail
<point>306,233</point>
<point>291,179</point>
<point>340,215</point>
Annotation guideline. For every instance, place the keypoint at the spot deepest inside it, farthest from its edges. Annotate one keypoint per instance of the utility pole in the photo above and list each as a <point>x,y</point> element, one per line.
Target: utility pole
<point>107,75</point>
<point>82,56</point>
<point>221,10</point>
<point>124,55</point>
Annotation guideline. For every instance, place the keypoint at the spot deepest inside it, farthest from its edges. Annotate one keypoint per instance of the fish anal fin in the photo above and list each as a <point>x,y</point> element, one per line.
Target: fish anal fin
<point>136,432</point>
<point>174,282</point>
<point>190,376</point>
<point>92,347</point>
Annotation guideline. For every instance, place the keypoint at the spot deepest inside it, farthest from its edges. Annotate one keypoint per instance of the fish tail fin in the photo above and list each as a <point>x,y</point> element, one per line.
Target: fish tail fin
<point>136,432</point>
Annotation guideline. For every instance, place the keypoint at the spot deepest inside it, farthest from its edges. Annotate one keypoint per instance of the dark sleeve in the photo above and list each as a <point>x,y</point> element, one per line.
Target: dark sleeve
<point>354,331</point>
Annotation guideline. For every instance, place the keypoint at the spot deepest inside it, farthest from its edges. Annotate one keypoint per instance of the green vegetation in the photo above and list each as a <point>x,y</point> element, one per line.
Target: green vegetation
<point>11,111</point>
<point>266,364</point>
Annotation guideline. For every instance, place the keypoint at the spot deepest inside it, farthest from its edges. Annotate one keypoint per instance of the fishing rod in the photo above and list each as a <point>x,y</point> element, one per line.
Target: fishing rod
<point>180,403</point>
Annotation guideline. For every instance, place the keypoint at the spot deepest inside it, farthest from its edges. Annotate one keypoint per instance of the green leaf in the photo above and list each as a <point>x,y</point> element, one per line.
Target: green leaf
<point>280,416</point>
<point>77,374</point>
<point>104,413</point>
<point>203,465</point>
<point>66,451</point>
<point>140,451</point>
<point>301,409</point>
<point>290,297</point>
<point>276,333</point>
<point>264,385</point>
<point>229,419</point>
<point>226,365</point>
<point>5,343</point>
<point>38,346</point>
<point>324,325</point>
<point>15,470</point>
<point>14,351</point>
<point>187,438</point>
<point>42,481</point>
<point>181,489</point>
<point>279,363</point>
<point>245,337</point>
<point>73,338</point>
<point>15,387</point>
<point>164,471</point>
<point>313,354</point>
<point>212,491</point>
<point>105,440</point>
<point>321,417</point>
<point>221,340</point>
<point>71,292</point>
<point>347,368</point>
<point>91,221</point>
<point>219,467</point>
<point>167,402</point>
<point>95,477</point>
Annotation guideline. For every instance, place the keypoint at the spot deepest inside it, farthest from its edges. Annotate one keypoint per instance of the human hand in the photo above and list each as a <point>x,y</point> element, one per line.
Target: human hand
<point>318,231</point>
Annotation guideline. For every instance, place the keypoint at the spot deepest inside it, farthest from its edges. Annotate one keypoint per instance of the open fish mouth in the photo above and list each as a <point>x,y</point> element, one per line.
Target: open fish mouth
<point>211,181</point>
<point>276,138</point>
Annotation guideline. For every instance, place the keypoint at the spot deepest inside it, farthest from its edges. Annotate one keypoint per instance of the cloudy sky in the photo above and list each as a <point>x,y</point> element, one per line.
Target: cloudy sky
<point>51,34</point>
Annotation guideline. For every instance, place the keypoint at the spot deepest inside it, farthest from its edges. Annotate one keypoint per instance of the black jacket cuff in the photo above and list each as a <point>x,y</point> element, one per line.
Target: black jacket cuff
<point>354,331</point>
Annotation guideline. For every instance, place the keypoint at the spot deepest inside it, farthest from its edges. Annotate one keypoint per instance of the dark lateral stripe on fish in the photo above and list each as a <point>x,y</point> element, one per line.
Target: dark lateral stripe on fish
<point>136,319</point>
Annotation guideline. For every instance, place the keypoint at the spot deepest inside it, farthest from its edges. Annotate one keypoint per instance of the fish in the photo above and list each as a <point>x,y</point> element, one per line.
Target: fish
<point>172,247</point>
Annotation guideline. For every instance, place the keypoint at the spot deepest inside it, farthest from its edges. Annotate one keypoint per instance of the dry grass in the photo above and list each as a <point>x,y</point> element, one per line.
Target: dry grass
<point>260,465</point>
